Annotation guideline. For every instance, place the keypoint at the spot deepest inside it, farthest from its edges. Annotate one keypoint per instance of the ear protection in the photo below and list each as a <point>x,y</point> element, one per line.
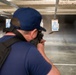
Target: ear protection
<point>15,22</point>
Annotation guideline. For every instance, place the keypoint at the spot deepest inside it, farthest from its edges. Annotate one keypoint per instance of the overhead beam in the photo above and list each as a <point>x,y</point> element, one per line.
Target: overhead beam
<point>41,7</point>
<point>47,12</point>
<point>44,7</point>
<point>37,4</point>
<point>67,2</point>
<point>41,2</point>
<point>34,2</point>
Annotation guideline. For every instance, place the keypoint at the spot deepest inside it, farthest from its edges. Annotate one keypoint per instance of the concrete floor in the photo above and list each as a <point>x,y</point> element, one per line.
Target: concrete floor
<point>60,47</point>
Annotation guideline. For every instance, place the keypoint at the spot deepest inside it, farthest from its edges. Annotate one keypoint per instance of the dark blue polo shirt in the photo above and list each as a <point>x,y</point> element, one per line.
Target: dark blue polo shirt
<point>24,59</point>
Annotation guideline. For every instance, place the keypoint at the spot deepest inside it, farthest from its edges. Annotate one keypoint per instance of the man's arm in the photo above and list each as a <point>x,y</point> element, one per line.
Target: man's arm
<point>54,70</point>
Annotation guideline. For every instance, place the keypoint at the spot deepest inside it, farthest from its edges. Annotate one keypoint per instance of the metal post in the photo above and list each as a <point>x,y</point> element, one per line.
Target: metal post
<point>56,5</point>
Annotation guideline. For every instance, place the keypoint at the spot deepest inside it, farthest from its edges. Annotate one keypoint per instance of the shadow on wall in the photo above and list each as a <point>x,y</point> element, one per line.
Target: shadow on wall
<point>74,24</point>
<point>2,25</point>
<point>2,22</point>
<point>67,21</point>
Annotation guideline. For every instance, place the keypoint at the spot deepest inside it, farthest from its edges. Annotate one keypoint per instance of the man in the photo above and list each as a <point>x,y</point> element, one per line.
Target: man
<point>24,57</point>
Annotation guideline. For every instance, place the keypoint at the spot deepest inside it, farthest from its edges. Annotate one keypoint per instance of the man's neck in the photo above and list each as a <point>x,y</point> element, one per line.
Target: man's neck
<point>9,33</point>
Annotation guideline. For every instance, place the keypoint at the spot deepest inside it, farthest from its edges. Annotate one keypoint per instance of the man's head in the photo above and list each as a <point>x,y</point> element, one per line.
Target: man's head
<point>27,19</point>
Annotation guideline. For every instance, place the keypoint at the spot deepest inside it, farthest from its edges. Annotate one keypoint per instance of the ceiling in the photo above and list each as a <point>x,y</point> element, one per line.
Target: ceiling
<point>45,7</point>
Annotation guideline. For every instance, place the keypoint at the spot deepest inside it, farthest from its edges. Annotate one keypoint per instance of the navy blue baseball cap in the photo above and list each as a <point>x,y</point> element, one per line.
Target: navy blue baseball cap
<point>29,19</point>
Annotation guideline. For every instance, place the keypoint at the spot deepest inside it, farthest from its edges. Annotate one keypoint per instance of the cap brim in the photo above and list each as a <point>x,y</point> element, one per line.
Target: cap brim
<point>43,29</point>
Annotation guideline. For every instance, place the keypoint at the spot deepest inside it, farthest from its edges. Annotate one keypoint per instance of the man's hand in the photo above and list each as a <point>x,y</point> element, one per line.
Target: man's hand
<point>40,46</point>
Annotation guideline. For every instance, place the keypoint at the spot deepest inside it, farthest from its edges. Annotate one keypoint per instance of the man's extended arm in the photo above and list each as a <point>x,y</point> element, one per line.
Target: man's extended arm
<point>54,70</point>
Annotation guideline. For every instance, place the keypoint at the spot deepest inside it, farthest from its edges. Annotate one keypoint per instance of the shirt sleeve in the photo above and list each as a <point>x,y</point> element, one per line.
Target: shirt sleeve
<point>36,64</point>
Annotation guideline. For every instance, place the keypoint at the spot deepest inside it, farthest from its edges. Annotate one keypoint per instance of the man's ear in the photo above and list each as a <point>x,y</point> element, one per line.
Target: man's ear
<point>34,33</point>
